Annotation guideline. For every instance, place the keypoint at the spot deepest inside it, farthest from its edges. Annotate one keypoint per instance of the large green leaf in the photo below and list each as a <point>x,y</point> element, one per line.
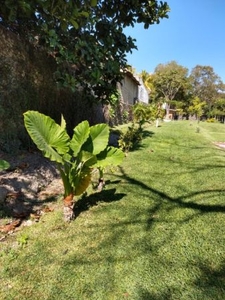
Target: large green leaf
<point>110,156</point>
<point>4,165</point>
<point>49,137</point>
<point>80,178</point>
<point>98,139</point>
<point>83,182</point>
<point>87,158</point>
<point>81,133</point>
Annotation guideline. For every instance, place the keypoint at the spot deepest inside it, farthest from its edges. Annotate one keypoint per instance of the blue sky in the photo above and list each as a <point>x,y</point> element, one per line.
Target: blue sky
<point>193,35</point>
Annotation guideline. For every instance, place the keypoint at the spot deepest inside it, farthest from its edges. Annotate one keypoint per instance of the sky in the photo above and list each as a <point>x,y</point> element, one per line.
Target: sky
<point>194,34</point>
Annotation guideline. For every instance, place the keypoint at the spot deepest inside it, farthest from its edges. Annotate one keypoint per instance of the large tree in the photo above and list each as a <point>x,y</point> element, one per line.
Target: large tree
<point>169,80</point>
<point>85,37</point>
<point>207,85</point>
<point>218,110</point>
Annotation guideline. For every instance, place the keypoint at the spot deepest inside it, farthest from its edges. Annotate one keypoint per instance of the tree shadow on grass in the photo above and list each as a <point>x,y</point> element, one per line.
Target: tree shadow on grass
<point>205,208</point>
<point>211,281</point>
<point>138,145</point>
<point>105,196</point>
<point>209,285</point>
<point>144,294</point>
<point>147,133</point>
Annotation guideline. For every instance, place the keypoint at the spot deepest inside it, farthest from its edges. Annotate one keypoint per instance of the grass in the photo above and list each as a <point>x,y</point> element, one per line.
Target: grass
<point>155,232</point>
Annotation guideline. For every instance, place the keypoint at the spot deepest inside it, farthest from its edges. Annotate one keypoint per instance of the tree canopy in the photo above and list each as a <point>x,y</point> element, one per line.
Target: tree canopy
<point>200,92</point>
<point>169,81</point>
<point>85,38</point>
<point>169,78</point>
<point>206,85</point>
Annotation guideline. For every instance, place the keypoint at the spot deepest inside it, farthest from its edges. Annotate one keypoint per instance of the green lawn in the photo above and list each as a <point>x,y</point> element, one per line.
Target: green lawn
<point>156,231</point>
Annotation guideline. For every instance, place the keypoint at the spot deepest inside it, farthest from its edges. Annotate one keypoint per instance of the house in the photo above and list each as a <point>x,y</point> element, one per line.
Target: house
<point>132,89</point>
<point>128,88</point>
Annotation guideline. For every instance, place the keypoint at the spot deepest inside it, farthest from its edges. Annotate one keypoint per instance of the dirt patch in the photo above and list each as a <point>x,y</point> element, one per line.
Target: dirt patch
<point>220,144</point>
<point>28,186</point>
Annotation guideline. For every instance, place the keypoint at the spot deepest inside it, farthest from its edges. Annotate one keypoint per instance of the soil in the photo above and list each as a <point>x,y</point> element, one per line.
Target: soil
<point>27,188</point>
<point>220,144</point>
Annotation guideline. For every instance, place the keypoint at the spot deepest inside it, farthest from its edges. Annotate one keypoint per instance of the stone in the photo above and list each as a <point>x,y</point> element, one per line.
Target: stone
<point>3,194</point>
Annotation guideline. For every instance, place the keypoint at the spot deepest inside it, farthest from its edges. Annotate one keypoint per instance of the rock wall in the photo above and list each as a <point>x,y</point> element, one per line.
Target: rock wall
<point>27,82</point>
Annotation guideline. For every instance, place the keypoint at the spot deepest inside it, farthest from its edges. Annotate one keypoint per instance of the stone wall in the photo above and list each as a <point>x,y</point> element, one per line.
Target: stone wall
<point>27,82</point>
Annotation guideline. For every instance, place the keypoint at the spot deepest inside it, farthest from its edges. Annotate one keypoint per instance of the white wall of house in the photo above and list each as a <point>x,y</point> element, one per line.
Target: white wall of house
<point>143,95</point>
<point>133,89</point>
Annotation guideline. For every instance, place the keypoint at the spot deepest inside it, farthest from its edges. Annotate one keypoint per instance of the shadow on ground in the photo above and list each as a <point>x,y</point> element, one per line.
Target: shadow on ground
<point>106,196</point>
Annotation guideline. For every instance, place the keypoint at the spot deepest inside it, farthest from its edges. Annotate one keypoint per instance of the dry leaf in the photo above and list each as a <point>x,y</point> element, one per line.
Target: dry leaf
<point>14,195</point>
<point>35,216</point>
<point>46,209</point>
<point>11,226</point>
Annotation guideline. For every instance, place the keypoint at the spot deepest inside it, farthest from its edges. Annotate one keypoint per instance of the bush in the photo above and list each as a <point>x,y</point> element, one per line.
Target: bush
<point>211,120</point>
<point>130,138</point>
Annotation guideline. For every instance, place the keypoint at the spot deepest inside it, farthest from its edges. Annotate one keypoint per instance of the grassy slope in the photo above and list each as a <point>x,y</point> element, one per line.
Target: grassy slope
<point>156,232</point>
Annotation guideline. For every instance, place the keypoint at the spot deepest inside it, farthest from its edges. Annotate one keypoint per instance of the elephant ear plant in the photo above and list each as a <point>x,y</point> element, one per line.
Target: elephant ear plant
<point>76,157</point>
<point>4,165</point>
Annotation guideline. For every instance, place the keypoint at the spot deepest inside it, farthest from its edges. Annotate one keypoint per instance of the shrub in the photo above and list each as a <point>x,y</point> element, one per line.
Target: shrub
<point>211,120</point>
<point>130,138</point>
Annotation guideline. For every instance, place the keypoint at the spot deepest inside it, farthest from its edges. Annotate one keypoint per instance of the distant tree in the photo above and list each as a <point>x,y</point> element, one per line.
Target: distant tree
<point>218,110</point>
<point>206,85</point>
<point>147,79</point>
<point>84,37</point>
<point>168,80</point>
<point>196,107</point>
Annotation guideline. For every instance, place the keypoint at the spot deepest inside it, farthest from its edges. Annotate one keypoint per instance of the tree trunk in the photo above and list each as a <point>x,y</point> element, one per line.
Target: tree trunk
<point>167,111</point>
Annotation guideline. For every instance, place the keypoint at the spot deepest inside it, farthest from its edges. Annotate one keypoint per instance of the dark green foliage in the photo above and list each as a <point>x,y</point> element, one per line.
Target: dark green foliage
<point>85,39</point>
<point>76,46</point>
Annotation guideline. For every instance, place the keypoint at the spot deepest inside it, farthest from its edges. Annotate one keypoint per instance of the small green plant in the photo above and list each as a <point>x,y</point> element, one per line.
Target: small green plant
<point>113,104</point>
<point>22,239</point>
<point>4,165</point>
<point>130,138</point>
<point>76,157</point>
<point>140,113</point>
<point>147,113</point>
<point>125,116</point>
<point>112,112</point>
